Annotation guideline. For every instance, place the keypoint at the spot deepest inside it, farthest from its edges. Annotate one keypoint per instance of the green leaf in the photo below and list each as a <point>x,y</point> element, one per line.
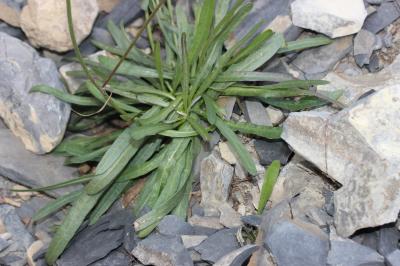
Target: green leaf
<point>304,44</point>
<point>66,97</point>
<point>200,129</point>
<point>252,76</point>
<point>211,110</point>
<point>141,132</point>
<point>307,102</point>
<point>269,181</point>
<point>239,149</point>
<point>256,130</point>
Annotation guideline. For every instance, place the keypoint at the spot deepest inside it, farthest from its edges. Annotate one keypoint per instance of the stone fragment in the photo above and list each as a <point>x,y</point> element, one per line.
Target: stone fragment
<point>237,257</point>
<point>12,31</point>
<point>386,13</point>
<point>227,103</point>
<point>218,245</point>
<point>375,64</point>
<point>388,240</point>
<point>215,181</point>
<point>269,151</point>
<point>10,12</point>
<point>162,250</point>
<point>315,63</point>
<point>29,169</point>
<point>115,258</point>
<point>347,252</point>
<point>333,18</point>
<point>4,244</point>
<point>359,148</point>
<point>190,241</point>
<point>275,115</point>
<point>38,119</point>
<point>255,113</point>
<point>253,220</point>
<point>364,44</point>
<point>393,259</point>
<point>45,22</point>
<point>107,5</point>
<point>208,222</point>
<point>229,217</point>
<point>226,153</point>
<point>172,225</point>
<point>297,243</point>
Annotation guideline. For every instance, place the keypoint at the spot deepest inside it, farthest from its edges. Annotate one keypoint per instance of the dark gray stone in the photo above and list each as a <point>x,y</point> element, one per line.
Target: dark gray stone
<point>172,225</point>
<point>125,12</point>
<point>160,250</point>
<point>269,151</point>
<point>386,13</point>
<point>206,231</point>
<point>12,31</point>
<point>253,220</point>
<point>297,243</point>
<point>349,253</point>
<point>30,207</point>
<point>364,44</point>
<point>96,241</point>
<point>218,245</point>
<point>388,240</point>
<point>315,63</point>
<point>368,239</point>
<point>38,119</point>
<point>197,210</point>
<point>115,258</point>
<point>375,64</point>
<point>269,10</point>
<point>102,35</point>
<point>393,259</point>
<point>30,170</point>
<point>237,257</point>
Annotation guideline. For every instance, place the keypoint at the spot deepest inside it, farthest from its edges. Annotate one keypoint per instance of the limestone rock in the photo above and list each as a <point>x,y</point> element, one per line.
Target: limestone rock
<point>10,11</point>
<point>358,147</point>
<point>38,119</point>
<point>45,22</point>
<point>333,18</point>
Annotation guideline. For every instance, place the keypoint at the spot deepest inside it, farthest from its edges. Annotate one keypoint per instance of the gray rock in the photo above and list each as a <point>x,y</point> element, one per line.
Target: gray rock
<point>30,207</point>
<point>12,31</point>
<point>172,225</point>
<point>386,13</point>
<point>269,151</point>
<point>375,64</point>
<point>349,253</point>
<point>96,241</point>
<point>4,244</point>
<point>162,250</point>
<point>277,16</point>
<point>218,245</point>
<point>227,103</point>
<point>115,258</point>
<point>253,220</point>
<point>315,63</point>
<point>364,44</point>
<point>38,119</point>
<point>237,257</point>
<point>393,259</point>
<point>368,239</point>
<point>125,12</point>
<point>358,148</point>
<point>29,169</point>
<point>297,243</point>
<point>375,2</point>
<point>388,240</point>
<point>255,113</point>
<point>190,241</point>
<point>215,181</point>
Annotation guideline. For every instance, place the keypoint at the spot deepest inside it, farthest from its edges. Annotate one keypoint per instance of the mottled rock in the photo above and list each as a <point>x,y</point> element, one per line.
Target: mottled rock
<point>359,148</point>
<point>172,225</point>
<point>190,241</point>
<point>315,63</point>
<point>115,258</point>
<point>29,169</point>
<point>226,153</point>
<point>269,151</point>
<point>218,245</point>
<point>297,243</point>
<point>333,18</point>
<point>45,22</point>
<point>347,252</point>
<point>39,120</point>
<point>364,44</point>
<point>393,259</point>
<point>237,257</point>
<point>386,13</point>
<point>255,113</point>
<point>215,181</point>
<point>229,217</point>
<point>227,103</point>
<point>162,250</point>
<point>207,222</point>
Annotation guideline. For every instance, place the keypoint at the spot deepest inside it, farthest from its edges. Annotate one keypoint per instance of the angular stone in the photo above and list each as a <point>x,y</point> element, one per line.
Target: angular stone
<point>364,44</point>
<point>393,259</point>
<point>359,148</point>
<point>269,151</point>
<point>386,13</point>
<point>226,153</point>
<point>218,245</point>
<point>215,181</point>
<point>253,220</point>
<point>12,31</point>
<point>115,258</point>
<point>237,257</point>
<point>172,225</point>
<point>4,244</point>
<point>29,169</point>
<point>190,241</point>
<point>255,113</point>
<point>297,243</point>
<point>229,217</point>
<point>347,252</point>
<point>45,22</point>
<point>38,119</point>
<point>316,62</point>
<point>227,103</point>
<point>207,222</point>
<point>162,250</point>
<point>275,115</point>
<point>388,240</point>
<point>333,18</point>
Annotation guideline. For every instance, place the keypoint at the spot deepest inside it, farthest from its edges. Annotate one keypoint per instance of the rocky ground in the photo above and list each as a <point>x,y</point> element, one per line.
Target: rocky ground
<point>336,200</point>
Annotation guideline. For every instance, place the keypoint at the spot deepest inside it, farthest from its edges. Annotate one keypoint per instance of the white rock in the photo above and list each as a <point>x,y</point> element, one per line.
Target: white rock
<point>190,241</point>
<point>226,153</point>
<point>358,147</point>
<point>229,217</point>
<point>275,115</point>
<point>45,22</point>
<point>333,18</point>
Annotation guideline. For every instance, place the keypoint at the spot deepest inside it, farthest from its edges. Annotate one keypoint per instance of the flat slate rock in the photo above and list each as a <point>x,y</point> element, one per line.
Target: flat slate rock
<point>172,225</point>
<point>393,259</point>
<point>30,170</point>
<point>269,151</point>
<point>386,13</point>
